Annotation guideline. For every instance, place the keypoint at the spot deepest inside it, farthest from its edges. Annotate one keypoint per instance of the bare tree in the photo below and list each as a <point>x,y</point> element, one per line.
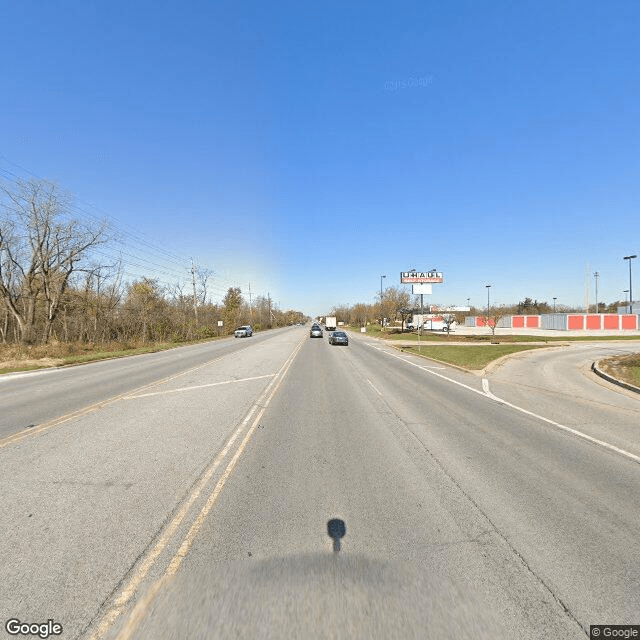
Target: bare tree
<point>397,302</point>
<point>40,248</point>
<point>202,277</point>
<point>494,315</point>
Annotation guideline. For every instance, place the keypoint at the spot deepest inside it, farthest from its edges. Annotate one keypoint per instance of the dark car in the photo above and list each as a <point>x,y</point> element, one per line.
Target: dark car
<point>339,337</point>
<point>316,332</point>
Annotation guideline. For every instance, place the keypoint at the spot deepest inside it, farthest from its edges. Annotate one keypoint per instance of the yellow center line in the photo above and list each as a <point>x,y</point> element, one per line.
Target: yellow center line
<point>131,588</point>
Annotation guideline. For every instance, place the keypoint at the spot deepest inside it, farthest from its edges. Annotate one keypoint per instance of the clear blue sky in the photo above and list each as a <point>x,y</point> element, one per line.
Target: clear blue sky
<point>309,147</point>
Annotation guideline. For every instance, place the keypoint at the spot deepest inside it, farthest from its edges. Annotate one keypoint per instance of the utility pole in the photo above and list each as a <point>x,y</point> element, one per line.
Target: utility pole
<point>195,300</point>
<point>250,307</point>
<point>270,314</point>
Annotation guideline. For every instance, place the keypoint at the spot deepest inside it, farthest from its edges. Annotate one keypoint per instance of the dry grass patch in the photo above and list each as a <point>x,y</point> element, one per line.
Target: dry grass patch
<point>626,368</point>
<point>15,357</point>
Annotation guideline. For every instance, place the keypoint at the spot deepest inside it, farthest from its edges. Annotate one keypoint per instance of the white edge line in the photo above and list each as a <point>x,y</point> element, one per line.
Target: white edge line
<point>487,394</point>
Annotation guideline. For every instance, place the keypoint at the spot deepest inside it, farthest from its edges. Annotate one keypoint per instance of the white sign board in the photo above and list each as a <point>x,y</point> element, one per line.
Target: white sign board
<point>220,323</point>
<point>414,277</point>
<point>422,288</point>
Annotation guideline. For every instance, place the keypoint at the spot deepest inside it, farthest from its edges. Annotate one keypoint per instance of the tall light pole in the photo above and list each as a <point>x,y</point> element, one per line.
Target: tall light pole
<point>625,296</point>
<point>488,287</point>
<point>554,305</point>
<point>596,275</point>
<point>381,309</point>
<point>629,258</point>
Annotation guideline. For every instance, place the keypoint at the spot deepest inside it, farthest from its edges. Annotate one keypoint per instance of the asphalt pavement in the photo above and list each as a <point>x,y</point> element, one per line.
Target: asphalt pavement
<point>197,507</point>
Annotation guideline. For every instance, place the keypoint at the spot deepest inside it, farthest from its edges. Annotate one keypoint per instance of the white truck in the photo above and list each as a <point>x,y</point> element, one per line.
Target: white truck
<point>330,323</point>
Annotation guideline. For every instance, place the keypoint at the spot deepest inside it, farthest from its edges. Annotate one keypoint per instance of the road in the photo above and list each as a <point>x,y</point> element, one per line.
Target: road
<point>32,399</point>
<point>196,507</point>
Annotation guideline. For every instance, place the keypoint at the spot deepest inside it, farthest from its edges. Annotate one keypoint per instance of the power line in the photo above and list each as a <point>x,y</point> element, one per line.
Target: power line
<point>136,251</point>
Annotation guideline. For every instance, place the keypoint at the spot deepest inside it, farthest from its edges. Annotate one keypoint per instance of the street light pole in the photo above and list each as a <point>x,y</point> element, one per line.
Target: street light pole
<point>596,275</point>
<point>488,287</point>
<point>625,296</point>
<point>629,258</point>
<point>554,305</point>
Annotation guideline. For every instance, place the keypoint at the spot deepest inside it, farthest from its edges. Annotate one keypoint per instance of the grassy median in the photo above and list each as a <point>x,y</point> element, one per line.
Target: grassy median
<point>472,357</point>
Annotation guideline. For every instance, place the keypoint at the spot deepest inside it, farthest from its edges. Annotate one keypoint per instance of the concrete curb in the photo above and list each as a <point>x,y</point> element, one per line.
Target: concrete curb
<point>608,378</point>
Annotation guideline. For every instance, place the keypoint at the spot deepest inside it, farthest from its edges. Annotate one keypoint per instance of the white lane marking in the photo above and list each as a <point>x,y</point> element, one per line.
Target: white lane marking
<point>199,386</point>
<point>487,394</point>
<point>28,433</point>
<point>7,377</point>
<point>373,387</point>
<point>591,439</point>
<point>487,391</point>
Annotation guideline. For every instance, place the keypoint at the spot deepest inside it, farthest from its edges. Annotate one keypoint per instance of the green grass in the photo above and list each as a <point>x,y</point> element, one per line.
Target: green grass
<point>30,367</point>
<point>469,357</point>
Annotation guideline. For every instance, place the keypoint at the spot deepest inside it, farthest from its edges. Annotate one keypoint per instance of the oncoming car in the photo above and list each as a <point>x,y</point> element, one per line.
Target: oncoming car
<point>244,332</point>
<point>316,332</point>
<point>339,337</point>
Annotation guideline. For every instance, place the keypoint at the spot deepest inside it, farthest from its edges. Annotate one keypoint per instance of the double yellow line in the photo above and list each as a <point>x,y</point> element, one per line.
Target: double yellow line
<point>133,585</point>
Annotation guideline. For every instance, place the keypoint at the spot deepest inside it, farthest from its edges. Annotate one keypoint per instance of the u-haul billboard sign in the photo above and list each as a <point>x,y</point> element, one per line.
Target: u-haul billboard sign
<point>419,277</point>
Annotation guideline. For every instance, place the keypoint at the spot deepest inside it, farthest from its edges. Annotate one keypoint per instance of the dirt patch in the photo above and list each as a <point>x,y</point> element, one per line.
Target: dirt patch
<point>625,368</point>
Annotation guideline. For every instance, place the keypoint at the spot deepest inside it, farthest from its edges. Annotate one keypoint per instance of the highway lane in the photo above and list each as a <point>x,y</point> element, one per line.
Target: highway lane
<point>81,503</point>
<point>465,517</point>
<point>32,398</point>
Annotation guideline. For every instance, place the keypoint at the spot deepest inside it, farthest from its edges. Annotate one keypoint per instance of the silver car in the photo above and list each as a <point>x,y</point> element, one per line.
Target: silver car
<point>316,332</point>
<point>244,332</point>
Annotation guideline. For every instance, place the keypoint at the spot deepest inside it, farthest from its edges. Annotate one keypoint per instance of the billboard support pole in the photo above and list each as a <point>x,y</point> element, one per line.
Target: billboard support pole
<point>421,319</point>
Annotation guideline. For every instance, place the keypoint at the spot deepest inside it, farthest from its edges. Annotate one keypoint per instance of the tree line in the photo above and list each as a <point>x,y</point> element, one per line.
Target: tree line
<point>54,286</point>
